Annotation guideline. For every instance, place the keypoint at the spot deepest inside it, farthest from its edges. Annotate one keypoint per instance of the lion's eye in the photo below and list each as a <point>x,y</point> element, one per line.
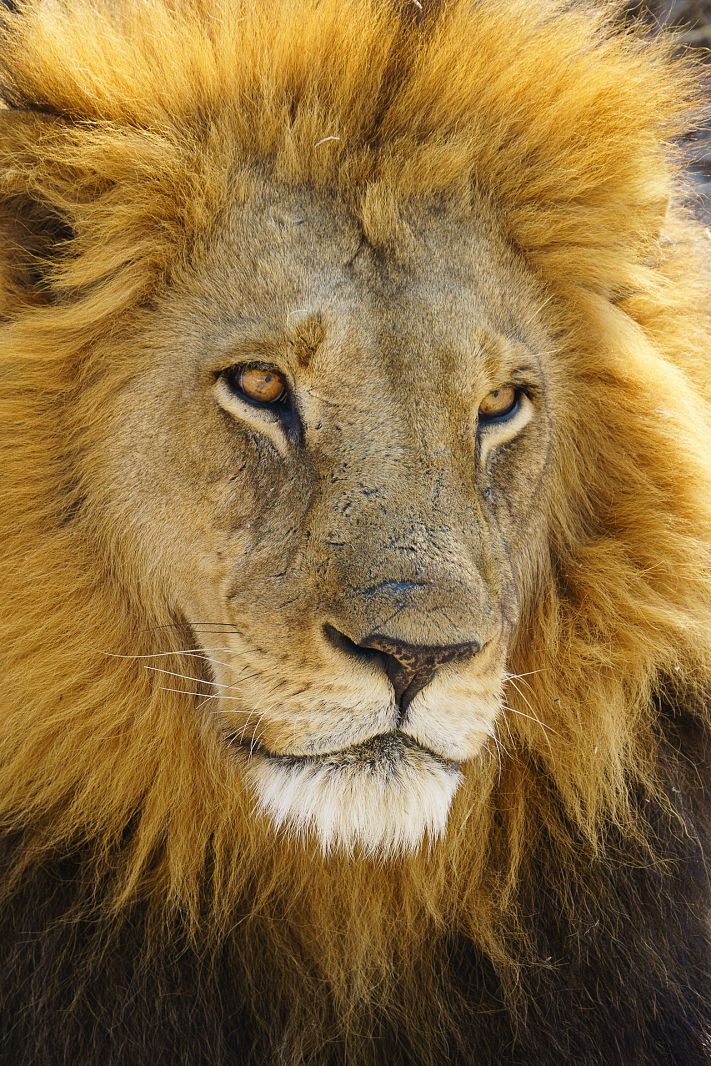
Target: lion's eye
<point>257,384</point>
<point>499,404</point>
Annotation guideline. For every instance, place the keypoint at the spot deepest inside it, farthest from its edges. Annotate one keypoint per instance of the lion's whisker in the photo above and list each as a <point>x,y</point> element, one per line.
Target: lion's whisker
<point>205,696</point>
<point>210,659</point>
<point>239,735</point>
<point>183,691</point>
<point>185,677</point>
<point>247,721</point>
<point>254,735</point>
<point>225,695</point>
<point>523,696</point>
<point>241,680</point>
<point>527,673</point>
<point>223,630</point>
<point>163,654</point>
<point>499,755</point>
<point>531,718</point>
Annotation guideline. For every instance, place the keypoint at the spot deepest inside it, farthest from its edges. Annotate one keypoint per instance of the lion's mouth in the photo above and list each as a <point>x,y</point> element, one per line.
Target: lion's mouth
<point>383,751</point>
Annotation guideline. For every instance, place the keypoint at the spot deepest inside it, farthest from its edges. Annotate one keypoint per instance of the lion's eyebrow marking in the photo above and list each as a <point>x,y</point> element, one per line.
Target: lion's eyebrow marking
<point>503,355</point>
<point>306,338</point>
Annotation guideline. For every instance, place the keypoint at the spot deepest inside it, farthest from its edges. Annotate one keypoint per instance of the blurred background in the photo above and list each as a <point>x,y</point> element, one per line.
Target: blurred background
<point>693,15</point>
<point>692,18</point>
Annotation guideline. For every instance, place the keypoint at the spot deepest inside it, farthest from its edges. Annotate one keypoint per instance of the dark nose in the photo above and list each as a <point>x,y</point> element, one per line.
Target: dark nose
<point>409,667</point>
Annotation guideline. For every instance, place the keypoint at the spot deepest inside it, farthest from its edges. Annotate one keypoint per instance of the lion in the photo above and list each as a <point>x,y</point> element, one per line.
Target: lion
<point>356,613</point>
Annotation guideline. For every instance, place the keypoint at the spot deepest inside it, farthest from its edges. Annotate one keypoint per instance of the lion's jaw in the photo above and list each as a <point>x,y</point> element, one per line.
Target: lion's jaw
<point>380,782</point>
<point>376,508</point>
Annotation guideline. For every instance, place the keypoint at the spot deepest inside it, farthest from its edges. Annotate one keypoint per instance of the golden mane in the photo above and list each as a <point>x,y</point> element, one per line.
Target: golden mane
<point>126,130</point>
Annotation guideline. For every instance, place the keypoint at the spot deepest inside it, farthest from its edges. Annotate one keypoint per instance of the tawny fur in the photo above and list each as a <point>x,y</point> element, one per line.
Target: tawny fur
<point>122,125</point>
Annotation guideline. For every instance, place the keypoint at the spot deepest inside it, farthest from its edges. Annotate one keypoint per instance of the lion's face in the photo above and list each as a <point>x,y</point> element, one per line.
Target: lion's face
<point>335,458</point>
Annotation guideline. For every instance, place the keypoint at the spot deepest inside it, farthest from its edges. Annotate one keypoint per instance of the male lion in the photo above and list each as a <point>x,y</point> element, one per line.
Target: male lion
<point>355,537</point>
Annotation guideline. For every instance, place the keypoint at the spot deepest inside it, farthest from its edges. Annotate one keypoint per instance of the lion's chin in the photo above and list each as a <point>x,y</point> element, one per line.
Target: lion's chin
<point>383,797</point>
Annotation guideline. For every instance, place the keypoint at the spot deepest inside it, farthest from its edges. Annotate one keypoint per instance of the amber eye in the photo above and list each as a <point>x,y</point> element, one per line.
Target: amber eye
<point>499,404</point>
<point>257,384</point>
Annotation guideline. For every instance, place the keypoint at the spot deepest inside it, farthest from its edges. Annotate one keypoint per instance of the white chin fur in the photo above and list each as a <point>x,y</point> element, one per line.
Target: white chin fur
<point>383,799</point>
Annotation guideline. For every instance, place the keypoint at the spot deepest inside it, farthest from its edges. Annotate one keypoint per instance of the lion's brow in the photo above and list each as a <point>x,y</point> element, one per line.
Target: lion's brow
<point>307,336</point>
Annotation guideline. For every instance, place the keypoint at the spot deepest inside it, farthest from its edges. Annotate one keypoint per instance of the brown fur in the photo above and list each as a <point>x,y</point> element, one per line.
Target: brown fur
<point>140,154</point>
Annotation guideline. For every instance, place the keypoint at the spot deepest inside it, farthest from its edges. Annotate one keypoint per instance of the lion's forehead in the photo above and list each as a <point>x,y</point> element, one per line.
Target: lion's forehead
<point>447,292</point>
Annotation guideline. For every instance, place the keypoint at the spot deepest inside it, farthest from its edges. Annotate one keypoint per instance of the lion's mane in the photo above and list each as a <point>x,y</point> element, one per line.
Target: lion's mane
<point>123,134</point>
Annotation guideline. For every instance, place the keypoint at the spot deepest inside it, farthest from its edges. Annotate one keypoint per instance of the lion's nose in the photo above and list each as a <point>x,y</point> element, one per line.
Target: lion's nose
<point>409,667</point>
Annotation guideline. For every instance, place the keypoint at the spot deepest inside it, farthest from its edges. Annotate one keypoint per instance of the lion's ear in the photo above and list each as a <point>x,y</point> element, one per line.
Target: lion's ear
<point>36,228</point>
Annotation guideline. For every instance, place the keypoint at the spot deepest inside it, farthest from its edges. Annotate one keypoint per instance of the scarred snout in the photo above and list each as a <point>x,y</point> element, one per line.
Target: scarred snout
<point>400,574</point>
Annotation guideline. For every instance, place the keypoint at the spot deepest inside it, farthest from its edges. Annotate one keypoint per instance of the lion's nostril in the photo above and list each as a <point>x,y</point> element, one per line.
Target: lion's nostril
<point>345,644</point>
<point>409,667</point>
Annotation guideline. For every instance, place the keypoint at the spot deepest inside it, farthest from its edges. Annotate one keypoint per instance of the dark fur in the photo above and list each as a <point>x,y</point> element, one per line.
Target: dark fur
<point>623,982</point>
